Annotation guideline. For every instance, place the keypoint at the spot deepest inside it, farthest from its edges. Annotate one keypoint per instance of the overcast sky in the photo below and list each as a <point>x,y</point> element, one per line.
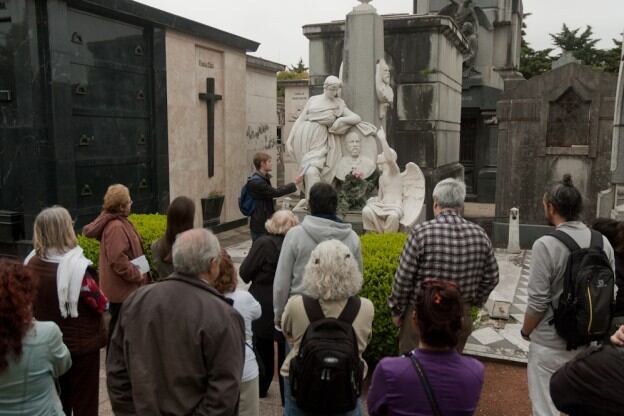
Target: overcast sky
<point>276,24</point>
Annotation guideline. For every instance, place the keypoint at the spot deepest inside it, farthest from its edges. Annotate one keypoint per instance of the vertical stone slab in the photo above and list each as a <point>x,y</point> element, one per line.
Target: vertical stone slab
<point>364,45</point>
<point>617,150</point>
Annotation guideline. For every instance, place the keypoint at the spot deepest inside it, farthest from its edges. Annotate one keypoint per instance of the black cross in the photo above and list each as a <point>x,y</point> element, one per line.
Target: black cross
<point>211,99</point>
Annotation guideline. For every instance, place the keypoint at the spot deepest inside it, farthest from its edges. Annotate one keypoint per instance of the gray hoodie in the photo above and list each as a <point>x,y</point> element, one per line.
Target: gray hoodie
<point>296,249</point>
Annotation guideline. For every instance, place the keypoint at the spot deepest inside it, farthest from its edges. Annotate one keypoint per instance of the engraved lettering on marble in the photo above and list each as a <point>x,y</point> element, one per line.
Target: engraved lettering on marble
<point>205,64</point>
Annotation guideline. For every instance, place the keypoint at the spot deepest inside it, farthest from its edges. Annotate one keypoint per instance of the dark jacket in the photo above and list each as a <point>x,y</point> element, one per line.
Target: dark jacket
<point>591,384</point>
<point>259,268</point>
<point>177,349</point>
<point>263,193</point>
<point>619,281</point>
<point>83,334</point>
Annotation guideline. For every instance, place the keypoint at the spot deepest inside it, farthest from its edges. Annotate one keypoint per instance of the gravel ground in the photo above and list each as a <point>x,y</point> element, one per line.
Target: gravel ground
<point>505,392</point>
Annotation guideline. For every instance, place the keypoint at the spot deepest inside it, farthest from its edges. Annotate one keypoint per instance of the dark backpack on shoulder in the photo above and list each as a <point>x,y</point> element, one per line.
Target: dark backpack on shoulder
<point>246,203</point>
<point>326,375</point>
<point>586,304</point>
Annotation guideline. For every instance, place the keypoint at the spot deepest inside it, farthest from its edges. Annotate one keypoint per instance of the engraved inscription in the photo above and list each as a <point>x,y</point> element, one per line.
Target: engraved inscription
<point>205,64</point>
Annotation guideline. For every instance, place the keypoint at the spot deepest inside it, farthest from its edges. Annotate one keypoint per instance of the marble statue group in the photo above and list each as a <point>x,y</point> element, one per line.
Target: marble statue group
<point>326,126</point>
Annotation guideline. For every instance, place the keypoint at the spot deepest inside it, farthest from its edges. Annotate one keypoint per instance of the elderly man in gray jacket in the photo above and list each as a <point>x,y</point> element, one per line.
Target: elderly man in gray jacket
<point>178,348</point>
<point>563,205</point>
<point>321,225</point>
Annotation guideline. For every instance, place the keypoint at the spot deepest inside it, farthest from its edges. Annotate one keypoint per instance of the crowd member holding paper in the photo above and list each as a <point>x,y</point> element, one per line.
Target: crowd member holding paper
<point>69,296</point>
<point>120,244</point>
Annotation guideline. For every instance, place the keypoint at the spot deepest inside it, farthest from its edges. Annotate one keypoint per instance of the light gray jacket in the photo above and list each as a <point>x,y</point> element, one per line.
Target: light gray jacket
<point>296,249</point>
<point>548,262</point>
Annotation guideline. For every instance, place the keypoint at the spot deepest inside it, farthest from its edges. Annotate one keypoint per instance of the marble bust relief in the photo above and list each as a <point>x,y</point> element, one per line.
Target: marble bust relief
<point>354,160</point>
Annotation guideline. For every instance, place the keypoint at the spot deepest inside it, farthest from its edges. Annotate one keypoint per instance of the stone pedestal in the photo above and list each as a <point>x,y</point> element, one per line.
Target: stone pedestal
<point>363,47</point>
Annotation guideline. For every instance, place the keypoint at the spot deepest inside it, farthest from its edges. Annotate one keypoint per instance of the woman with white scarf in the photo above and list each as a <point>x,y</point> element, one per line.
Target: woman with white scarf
<point>69,296</point>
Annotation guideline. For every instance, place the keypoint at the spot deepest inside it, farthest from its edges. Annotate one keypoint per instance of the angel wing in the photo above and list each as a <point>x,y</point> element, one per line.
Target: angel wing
<point>449,10</point>
<point>483,19</point>
<point>413,182</point>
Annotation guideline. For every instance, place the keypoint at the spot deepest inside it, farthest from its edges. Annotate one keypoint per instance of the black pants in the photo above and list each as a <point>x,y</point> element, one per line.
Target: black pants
<point>80,386</point>
<point>266,352</point>
<point>113,309</point>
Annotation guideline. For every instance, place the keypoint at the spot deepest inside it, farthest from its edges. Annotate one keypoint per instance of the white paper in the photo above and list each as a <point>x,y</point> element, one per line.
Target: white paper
<point>141,263</point>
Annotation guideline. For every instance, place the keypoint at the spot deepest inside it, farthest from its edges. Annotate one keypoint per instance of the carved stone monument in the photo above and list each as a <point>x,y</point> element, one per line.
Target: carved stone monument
<point>611,201</point>
<point>400,197</point>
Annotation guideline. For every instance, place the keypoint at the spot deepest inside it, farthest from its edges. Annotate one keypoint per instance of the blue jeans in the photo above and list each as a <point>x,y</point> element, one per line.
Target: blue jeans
<point>291,409</point>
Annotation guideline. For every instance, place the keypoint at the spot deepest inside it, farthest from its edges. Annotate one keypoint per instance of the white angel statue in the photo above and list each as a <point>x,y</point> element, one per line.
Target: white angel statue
<point>401,195</point>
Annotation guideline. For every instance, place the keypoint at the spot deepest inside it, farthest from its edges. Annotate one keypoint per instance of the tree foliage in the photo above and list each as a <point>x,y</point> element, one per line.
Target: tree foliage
<point>294,72</point>
<point>582,44</point>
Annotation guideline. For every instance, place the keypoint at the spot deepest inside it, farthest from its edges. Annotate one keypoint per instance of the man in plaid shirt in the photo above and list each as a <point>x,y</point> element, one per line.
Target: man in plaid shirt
<point>446,248</point>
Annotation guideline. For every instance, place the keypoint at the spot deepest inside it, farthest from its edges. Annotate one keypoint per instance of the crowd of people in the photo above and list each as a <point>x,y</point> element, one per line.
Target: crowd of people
<point>195,343</point>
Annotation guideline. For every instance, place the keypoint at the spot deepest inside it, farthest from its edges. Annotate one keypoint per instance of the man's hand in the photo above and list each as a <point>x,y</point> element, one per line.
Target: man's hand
<point>618,337</point>
<point>298,179</point>
<point>397,320</point>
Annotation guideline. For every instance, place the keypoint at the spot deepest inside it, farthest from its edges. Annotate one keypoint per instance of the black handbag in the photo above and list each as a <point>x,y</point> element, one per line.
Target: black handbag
<point>426,385</point>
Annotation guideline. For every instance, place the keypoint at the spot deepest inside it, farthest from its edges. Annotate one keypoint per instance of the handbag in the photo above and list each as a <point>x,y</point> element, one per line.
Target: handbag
<point>426,385</point>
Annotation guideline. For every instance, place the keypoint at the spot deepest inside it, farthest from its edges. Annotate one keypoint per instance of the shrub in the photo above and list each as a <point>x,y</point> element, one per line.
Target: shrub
<point>380,255</point>
<point>151,227</point>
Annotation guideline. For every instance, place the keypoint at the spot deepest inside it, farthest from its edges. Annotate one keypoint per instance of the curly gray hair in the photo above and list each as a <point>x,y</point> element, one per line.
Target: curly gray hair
<point>332,272</point>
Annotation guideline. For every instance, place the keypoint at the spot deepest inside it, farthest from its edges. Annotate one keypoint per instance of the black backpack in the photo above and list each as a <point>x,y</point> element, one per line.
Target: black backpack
<point>246,203</point>
<point>586,304</point>
<point>326,375</point>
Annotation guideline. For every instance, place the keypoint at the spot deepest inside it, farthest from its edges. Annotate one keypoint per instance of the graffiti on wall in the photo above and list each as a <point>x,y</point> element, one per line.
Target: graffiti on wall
<point>262,134</point>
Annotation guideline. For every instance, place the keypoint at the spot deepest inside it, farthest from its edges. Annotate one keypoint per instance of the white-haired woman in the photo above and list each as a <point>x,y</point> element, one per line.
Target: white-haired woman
<point>331,277</point>
<point>259,268</point>
<point>69,296</point>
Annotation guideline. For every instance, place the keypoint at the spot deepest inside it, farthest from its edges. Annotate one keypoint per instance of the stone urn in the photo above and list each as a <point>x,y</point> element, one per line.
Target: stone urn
<point>211,210</point>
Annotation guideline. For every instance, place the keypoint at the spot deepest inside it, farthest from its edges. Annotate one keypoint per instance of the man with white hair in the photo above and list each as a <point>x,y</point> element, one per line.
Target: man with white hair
<point>447,247</point>
<point>178,347</point>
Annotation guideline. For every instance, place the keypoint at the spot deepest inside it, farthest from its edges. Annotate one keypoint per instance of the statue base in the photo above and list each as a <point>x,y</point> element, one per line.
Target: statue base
<point>352,217</point>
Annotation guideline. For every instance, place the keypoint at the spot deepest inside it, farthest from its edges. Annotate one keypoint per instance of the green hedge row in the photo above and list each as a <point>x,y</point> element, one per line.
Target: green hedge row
<point>151,227</point>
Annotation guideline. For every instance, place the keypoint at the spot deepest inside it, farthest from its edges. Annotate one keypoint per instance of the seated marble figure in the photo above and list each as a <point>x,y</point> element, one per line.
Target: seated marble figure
<point>355,161</point>
<point>400,197</point>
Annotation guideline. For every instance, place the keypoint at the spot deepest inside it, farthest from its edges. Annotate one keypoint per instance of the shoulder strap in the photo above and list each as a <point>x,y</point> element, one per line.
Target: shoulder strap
<point>426,386</point>
<point>565,239</point>
<point>312,308</point>
<point>351,309</point>
<point>596,239</point>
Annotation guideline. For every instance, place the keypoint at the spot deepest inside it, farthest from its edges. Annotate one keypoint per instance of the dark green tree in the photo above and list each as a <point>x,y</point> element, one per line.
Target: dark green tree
<point>299,68</point>
<point>582,46</point>
<point>533,62</point>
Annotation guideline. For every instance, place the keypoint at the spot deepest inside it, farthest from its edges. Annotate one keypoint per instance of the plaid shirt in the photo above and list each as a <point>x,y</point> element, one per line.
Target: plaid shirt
<point>445,248</point>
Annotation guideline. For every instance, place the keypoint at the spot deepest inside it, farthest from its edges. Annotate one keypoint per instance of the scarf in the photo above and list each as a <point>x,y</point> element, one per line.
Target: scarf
<point>69,275</point>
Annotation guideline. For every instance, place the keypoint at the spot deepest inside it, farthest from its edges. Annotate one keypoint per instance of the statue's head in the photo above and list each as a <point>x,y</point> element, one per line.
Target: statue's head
<point>354,143</point>
<point>383,71</point>
<point>467,28</point>
<point>332,85</point>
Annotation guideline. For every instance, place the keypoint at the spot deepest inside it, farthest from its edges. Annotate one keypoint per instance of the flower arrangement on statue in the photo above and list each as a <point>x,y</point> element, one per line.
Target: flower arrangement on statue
<point>355,190</point>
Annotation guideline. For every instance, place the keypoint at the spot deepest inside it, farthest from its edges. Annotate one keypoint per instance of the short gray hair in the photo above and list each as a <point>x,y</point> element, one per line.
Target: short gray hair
<point>193,251</point>
<point>450,193</point>
<point>332,272</point>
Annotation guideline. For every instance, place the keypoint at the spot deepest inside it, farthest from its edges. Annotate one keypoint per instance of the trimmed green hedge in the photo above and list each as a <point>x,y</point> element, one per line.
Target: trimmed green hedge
<point>380,255</point>
<point>151,227</point>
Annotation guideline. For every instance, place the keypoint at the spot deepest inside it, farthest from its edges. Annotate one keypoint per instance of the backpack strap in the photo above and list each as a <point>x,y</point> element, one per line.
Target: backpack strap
<point>565,239</point>
<point>312,308</point>
<point>351,309</point>
<point>596,239</point>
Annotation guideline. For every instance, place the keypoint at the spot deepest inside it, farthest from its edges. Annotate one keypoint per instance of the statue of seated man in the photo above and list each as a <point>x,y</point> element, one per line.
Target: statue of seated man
<point>400,197</point>
<point>354,161</point>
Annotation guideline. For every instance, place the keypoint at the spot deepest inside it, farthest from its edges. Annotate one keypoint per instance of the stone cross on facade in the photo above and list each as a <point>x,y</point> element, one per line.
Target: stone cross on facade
<point>211,99</point>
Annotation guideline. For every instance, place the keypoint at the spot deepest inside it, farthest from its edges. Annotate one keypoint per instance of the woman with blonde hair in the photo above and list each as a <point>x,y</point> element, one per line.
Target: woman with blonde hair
<point>249,308</point>
<point>331,283</point>
<point>259,268</point>
<point>69,296</point>
<point>119,244</point>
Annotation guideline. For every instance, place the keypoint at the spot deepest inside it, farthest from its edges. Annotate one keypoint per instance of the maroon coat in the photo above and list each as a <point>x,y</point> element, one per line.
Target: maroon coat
<point>83,334</point>
<point>119,243</point>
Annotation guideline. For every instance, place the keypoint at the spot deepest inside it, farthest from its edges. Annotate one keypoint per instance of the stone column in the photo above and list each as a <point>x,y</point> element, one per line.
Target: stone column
<point>363,46</point>
<point>421,6</point>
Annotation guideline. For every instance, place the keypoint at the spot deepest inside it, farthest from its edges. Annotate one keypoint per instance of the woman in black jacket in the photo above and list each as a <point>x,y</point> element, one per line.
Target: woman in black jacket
<point>259,268</point>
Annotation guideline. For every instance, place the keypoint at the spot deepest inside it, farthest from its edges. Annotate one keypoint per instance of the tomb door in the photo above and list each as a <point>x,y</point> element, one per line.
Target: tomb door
<point>467,153</point>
